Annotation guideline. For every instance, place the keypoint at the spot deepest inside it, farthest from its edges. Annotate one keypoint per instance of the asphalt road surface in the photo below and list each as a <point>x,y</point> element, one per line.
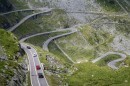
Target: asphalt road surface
<point>33,61</point>
<point>26,18</point>
<point>111,64</point>
<point>22,10</point>
<point>46,43</point>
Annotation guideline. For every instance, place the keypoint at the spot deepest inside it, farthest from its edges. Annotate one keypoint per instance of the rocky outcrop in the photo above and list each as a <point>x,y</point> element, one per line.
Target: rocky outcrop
<point>20,75</point>
<point>14,76</point>
<point>2,54</point>
<point>19,78</point>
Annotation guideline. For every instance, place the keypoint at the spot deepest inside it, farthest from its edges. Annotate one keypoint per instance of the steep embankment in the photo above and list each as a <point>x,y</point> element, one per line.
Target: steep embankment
<point>8,17</point>
<point>9,5</point>
<point>5,6</point>
<point>12,69</point>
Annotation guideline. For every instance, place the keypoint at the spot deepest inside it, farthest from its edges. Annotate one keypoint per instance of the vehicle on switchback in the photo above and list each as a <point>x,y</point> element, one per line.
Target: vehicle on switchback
<point>28,47</point>
<point>35,55</point>
<point>40,75</point>
<point>38,67</point>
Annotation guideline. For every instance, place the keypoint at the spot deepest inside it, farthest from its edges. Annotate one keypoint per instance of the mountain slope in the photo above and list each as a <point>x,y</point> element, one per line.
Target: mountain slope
<point>12,70</point>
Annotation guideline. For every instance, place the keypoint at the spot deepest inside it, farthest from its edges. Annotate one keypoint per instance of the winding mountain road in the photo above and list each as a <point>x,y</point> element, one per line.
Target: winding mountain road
<point>22,10</point>
<point>46,43</point>
<point>33,62</point>
<point>26,18</point>
<point>43,11</point>
<point>97,13</point>
<point>111,64</point>
<point>17,11</point>
<point>43,33</point>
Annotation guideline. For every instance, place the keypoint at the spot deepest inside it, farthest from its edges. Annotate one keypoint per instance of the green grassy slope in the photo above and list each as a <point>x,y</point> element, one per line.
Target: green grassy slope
<point>9,48</point>
<point>55,50</point>
<point>61,63</point>
<point>9,43</point>
<point>86,44</point>
<point>12,19</point>
<point>109,5</point>
<point>44,23</point>
<point>76,47</point>
<point>19,4</point>
<point>104,61</point>
<point>39,40</point>
<point>89,74</point>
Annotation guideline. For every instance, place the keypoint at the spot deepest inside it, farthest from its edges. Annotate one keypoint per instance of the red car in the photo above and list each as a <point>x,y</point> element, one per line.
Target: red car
<point>38,67</point>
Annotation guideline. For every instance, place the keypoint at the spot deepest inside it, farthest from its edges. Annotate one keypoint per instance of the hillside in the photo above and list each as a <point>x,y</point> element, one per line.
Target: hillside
<point>75,42</point>
<point>12,70</point>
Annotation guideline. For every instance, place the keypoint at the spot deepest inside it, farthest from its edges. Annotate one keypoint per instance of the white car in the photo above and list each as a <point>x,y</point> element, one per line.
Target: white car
<point>35,55</point>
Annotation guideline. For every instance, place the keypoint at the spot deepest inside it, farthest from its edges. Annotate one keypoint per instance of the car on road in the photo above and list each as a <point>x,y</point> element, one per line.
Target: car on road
<point>35,55</point>
<point>38,67</point>
<point>40,75</point>
<point>28,47</point>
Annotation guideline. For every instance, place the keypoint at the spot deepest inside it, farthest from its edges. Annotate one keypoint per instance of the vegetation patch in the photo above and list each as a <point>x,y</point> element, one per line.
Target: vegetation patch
<point>123,29</point>
<point>9,20</point>
<point>4,23</point>
<point>107,59</point>
<point>39,40</point>
<point>86,44</point>
<point>9,66</point>
<point>89,74</point>
<point>95,37</point>
<point>19,4</point>
<point>7,71</point>
<point>9,43</point>
<point>109,5</point>
<point>45,23</point>
<point>76,47</point>
<point>28,79</point>
<point>56,51</point>
<point>125,4</point>
<point>53,70</point>
<point>39,4</point>
<point>122,24</point>
<point>53,80</point>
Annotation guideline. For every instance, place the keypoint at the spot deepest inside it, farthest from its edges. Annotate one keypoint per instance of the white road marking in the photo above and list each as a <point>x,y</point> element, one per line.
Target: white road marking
<point>29,68</point>
<point>35,68</point>
<point>41,68</point>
